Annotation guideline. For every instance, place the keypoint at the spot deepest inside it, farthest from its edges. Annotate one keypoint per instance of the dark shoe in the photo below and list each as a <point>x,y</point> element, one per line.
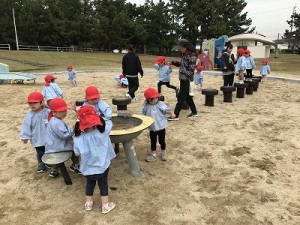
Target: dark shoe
<point>41,168</point>
<point>192,115</point>
<point>53,173</point>
<point>173,119</point>
<point>75,169</point>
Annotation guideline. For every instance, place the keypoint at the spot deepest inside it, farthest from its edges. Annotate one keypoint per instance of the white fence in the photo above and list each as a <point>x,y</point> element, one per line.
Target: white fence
<point>5,46</point>
<point>46,48</point>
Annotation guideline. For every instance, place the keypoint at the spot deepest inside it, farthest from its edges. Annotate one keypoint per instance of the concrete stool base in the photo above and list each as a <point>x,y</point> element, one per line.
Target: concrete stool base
<point>240,90</point>
<point>249,88</point>
<point>210,96</point>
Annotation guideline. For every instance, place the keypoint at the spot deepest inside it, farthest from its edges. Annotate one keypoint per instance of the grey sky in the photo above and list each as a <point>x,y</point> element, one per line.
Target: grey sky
<point>269,16</point>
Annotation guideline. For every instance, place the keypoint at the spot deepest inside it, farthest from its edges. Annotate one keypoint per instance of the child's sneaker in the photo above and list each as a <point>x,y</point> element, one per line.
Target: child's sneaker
<point>150,158</point>
<point>75,169</point>
<point>110,206</point>
<point>173,119</point>
<point>53,173</point>
<point>88,206</point>
<point>192,115</point>
<point>164,156</point>
<point>41,168</point>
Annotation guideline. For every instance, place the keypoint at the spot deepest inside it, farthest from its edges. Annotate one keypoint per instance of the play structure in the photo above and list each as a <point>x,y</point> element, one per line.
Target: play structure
<point>14,77</point>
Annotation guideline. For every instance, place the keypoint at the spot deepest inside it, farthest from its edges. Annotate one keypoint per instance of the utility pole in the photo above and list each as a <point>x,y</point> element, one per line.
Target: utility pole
<point>16,34</point>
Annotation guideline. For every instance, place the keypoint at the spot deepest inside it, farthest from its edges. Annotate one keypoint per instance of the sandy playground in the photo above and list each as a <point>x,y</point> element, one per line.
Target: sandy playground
<point>236,164</point>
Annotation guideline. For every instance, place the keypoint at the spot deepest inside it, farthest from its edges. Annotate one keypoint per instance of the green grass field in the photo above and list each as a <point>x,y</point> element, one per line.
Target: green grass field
<point>34,61</point>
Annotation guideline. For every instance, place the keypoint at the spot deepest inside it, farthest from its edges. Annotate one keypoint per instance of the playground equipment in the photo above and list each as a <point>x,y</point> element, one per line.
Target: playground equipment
<point>14,77</point>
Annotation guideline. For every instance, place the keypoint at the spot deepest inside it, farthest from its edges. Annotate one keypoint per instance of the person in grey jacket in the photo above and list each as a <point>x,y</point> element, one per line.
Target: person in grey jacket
<point>187,67</point>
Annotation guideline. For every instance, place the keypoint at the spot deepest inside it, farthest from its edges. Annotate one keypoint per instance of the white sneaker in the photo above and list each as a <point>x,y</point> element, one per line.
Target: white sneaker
<point>128,96</point>
<point>110,207</point>
<point>88,206</point>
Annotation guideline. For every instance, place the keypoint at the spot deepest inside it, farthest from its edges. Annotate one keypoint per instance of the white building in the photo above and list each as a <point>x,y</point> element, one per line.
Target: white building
<point>258,45</point>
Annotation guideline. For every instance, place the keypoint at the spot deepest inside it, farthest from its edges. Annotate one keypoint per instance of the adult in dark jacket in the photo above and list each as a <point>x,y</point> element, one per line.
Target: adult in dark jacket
<point>131,65</point>
<point>228,66</point>
<point>186,76</point>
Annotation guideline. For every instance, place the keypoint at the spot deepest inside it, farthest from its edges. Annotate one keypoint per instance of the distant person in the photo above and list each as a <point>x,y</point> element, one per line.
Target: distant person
<point>198,78</point>
<point>265,69</point>
<point>228,66</point>
<point>91,144</point>
<point>51,90</point>
<point>72,75</point>
<point>34,127</point>
<point>250,65</point>
<point>158,111</point>
<point>59,137</point>
<point>186,76</point>
<point>241,65</point>
<point>164,73</point>
<point>122,81</point>
<point>131,66</point>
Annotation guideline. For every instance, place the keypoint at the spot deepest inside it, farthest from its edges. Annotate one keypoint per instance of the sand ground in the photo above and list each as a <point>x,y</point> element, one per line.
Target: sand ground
<point>235,164</point>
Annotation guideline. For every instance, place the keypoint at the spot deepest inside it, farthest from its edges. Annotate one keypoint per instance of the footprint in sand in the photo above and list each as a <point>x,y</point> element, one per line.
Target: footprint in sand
<point>264,164</point>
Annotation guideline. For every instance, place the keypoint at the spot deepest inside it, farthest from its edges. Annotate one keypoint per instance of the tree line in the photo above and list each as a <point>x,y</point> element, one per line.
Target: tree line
<point>111,24</point>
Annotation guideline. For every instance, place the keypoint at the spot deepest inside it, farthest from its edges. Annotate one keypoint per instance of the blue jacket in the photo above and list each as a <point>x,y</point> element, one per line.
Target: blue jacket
<point>241,64</point>
<point>58,136</point>
<point>95,152</point>
<point>163,72</point>
<point>34,127</point>
<point>71,74</point>
<point>250,64</point>
<point>265,70</point>
<point>52,91</point>
<point>158,113</point>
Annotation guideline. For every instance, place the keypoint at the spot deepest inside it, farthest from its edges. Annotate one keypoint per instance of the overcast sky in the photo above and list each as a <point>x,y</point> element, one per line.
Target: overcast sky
<point>269,16</point>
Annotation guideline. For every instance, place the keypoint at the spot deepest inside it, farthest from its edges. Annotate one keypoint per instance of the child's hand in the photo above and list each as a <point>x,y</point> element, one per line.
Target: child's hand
<point>172,115</point>
<point>25,141</point>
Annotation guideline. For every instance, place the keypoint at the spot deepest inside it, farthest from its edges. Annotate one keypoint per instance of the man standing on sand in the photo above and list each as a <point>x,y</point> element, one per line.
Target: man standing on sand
<point>186,76</point>
<point>131,66</point>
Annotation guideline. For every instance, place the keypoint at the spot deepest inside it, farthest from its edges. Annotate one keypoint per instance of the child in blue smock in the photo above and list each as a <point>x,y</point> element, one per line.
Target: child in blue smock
<point>34,127</point>
<point>158,111</point>
<point>265,69</point>
<point>164,71</point>
<point>121,80</point>
<point>93,146</point>
<point>198,77</point>
<point>241,65</point>
<point>51,90</point>
<point>72,75</point>
<point>250,65</point>
<point>59,135</point>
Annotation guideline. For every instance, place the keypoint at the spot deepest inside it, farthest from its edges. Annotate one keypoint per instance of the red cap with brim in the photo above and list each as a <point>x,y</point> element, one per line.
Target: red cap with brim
<point>151,93</point>
<point>35,97</point>
<point>91,92</point>
<point>88,117</point>
<point>58,105</point>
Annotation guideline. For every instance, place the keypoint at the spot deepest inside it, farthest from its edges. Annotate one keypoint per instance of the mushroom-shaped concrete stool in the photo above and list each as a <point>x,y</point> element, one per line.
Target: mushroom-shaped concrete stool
<point>240,89</point>
<point>227,91</point>
<point>249,88</point>
<point>256,85</point>
<point>209,96</point>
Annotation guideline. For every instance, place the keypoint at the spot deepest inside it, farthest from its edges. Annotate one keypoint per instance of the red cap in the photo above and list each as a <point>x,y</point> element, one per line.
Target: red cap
<point>70,67</point>
<point>240,51</point>
<point>48,79</point>
<point>199,69</point>
<point>88,117</point>
<point>265,61</point>
<point>151,93</point>
<point>160,59</point>
<point>91,92</point>
<point>121,76</point>
<point>247,52</point>
<point>35,97</point>
<point>58,105</point>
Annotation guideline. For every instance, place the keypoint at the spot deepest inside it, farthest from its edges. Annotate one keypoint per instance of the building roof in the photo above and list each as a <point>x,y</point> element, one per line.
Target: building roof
<point>251,37</point>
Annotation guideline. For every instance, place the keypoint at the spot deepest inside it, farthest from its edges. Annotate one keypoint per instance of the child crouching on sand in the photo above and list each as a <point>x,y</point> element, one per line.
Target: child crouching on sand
<point>59,135</point>
<point>121,81</point>
<point>34,126</point>
<point>265,69</point>
<point>157,110</point>
<point>92,144</point>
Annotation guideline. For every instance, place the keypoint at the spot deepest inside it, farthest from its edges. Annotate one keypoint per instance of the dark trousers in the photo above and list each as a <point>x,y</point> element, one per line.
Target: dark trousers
<point>228,79</point>
<point>160,83</point>
<point>161,134</point>
<point>249,73</point>
<point>184,97</point>
<point>40,151</point>
<point>133,85</point>
<point>102,184</point>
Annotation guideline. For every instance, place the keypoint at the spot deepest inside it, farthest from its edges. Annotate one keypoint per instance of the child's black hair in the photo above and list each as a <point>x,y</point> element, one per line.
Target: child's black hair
<point>101,129</point>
